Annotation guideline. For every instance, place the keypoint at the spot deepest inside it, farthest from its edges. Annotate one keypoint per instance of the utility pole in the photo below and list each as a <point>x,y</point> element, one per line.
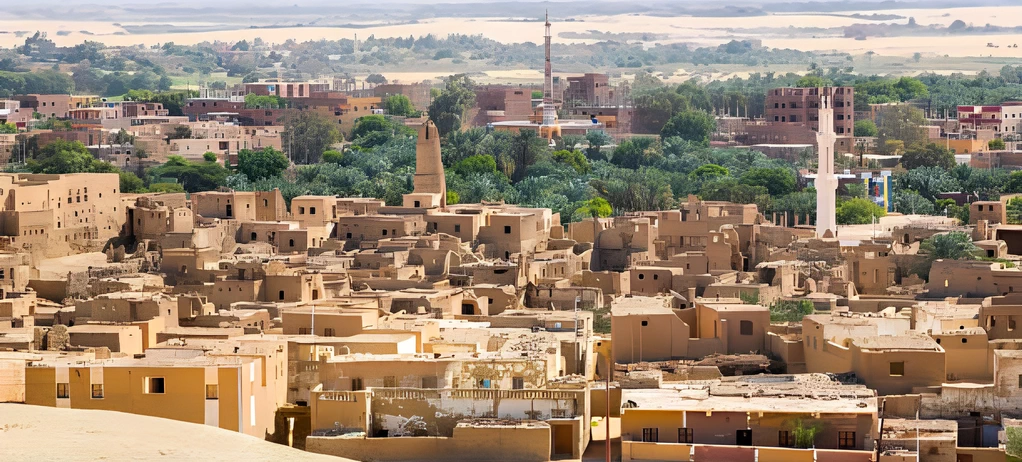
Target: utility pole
<point>606,441</point>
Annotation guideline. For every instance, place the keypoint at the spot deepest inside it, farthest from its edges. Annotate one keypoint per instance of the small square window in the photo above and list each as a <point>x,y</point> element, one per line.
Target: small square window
<point>898,369</point>
<point>685,435</point>
<point>645,323</point>
<point>63,390</point>
<point>155,385</point>
<point>457,228</point>
<point>97,391</point>
<point>650,435</point>
<point>517,383</point>
<point>212,391</point>
<point>507,230</point>
<point>785,439</point>
<point>312,210</point>
<point>745,327</point>
<point>846,440</point>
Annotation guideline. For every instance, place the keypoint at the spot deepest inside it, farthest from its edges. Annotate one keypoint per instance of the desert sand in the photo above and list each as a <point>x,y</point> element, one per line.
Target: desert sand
<point>695,30</point>
<point>46,433</point>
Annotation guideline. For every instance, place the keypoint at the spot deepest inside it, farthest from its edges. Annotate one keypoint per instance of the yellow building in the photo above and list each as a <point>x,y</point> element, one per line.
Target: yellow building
<point>239,392</point>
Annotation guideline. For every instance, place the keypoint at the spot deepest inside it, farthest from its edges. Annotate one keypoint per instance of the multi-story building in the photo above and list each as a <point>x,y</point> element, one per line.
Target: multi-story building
<point>801,106</point>
<point>589,90</point>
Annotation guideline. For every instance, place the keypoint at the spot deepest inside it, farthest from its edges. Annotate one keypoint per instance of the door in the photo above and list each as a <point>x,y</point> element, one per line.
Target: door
<point>743,438</point>
<point>562,440</point>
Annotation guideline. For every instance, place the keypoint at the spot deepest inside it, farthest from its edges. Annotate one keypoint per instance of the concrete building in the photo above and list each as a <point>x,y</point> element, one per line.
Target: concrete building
<point>802,106</point>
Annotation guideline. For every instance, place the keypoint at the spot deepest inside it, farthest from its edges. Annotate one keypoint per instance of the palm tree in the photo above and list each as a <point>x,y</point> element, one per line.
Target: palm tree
<point>955,245</point>
<point>596,208</point>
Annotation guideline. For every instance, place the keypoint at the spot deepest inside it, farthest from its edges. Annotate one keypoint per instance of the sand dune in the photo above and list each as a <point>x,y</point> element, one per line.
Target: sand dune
<point>29,433</point>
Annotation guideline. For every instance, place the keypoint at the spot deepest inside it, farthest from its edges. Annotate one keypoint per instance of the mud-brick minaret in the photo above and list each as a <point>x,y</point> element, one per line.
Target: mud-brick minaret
<point>429,168</point>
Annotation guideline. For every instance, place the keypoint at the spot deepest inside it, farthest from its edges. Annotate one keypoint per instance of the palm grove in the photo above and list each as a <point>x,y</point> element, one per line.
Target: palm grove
<point>652,172</point>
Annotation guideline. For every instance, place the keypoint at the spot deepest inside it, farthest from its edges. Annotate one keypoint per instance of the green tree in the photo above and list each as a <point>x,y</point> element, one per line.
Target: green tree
<point>192,176</point>
<point>778,181</point>
<point>929,155</point>
<point>902,123</point>
<point>307,135</point>
<point>209,156</point>
<point>597,139</point>
<point>263,163</point>
<point>480,164</point>
<point>638,151</point>
<point>8,128</point>
<point>812,81</point>
<point>790,310</point>
<point>131,183</point>
<point>708,172</point>
<point>67,157</point>
<point>453,198</point>
<point>996,144</point>
<point>910,202</point>
<point>399,105</point>
<point>954,245</point>
<point>595,208</point>
<point>448,107</point>
<point>575,159</point>
<point>694,126</point>
<point>858,211</point>
<point>331,156</point>
<point>165,188</point>
<point>865,128</point>
<point>254,101</point>
<point>180,132</point>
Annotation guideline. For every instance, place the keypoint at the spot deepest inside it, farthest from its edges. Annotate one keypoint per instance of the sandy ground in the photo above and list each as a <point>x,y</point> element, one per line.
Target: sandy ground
<point>32,433</point>
<point>695,30</point>
<point>54,268</point>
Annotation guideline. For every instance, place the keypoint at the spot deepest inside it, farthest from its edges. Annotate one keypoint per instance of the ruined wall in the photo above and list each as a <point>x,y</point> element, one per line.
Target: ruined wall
<point>517,444</point>
<point>410,412</point>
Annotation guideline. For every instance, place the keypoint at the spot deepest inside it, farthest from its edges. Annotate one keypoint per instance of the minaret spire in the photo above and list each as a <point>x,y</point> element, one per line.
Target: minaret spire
<point>826,180</point>
<point>549,114</point>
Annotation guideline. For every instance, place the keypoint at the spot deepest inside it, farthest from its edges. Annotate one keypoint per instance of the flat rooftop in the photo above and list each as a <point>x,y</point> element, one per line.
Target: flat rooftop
<point>625,306</point>
<point>897,342</point>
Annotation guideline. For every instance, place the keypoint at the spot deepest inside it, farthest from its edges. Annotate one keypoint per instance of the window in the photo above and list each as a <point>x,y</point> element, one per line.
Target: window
<point>155,385</point>
<point>97,391</point>
<point>745,327</point>
<point>280,295</point>
<point>517,383</point>
<point>898,369</point>
<point>785,439</point>
<point>645,323</point>
<point>63,390</point>
<point>304,331</point>
<point>507,230</point>
<point>416,204</point>
<point>329,332</point>
<point>685,435</point>
<point>846,440</point>
<point>429,382</point>
<point>389,382</point>
<point>212,391</point>
<point>301,210</point>
<point>457,228</point>
<point>291,242</point>
<point>356,384</point>
<point>650,435</point>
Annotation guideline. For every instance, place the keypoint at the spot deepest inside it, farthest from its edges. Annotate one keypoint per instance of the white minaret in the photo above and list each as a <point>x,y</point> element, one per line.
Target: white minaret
<point>549,114</point>
<point>826,181</point>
